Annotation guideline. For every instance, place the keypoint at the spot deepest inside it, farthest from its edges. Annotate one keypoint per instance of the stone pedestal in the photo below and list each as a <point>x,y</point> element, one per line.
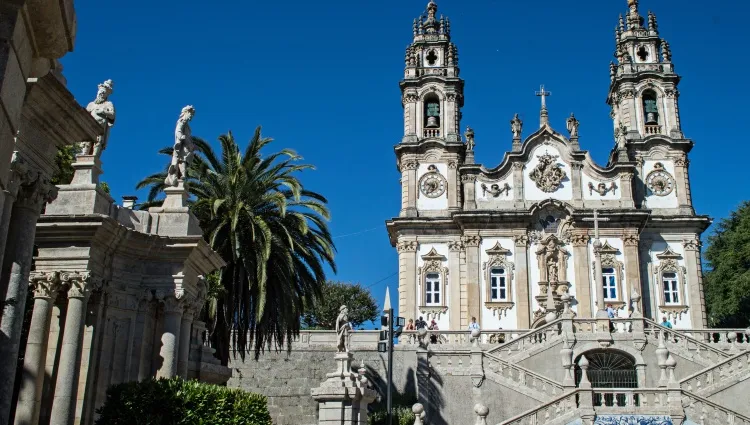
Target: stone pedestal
<point>174,216</point>
<point>344,396</point>
<point>87,168</point>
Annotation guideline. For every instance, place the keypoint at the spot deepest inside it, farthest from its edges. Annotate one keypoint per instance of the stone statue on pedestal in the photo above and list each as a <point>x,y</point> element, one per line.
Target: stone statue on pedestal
<point>103,112</point>
<point>516,126</point>
<point>343,329</point>
<point>572,124</point>
<point>182,155</point>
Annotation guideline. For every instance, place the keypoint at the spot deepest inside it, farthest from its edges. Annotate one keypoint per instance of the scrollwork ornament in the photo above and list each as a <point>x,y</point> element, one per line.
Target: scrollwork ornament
<point>519,165</point>
<point>20,174</point>
<point>495,190</point>
<point>452,165</point>
<point>35,195</point>
<point>521,240</point>
<point>455,246</point>
<point>692,244</point>
<point>468,178</point>
<point>548,174</point>
<point>78,283</point>
<point>602,189</point>
<point>471,240</point>
<point>410,165</point>
<point>579,239</point>
<point>631,239</point>
<point>44,284</point>
<point>681,161</point>
<point>172,304</point>
<point>406,246</point>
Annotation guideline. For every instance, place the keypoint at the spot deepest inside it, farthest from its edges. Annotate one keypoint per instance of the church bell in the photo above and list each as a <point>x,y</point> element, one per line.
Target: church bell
<point>651,118</point>
<point>432,122</point>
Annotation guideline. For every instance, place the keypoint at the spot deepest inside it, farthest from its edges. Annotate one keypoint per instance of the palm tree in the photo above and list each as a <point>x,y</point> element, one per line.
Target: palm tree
<point>271,232</point>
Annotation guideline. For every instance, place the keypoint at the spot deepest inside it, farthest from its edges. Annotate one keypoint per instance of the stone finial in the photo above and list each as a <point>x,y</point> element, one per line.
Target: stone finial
<point>419,414</point>
<point>128,201</point>
<point>666,52</point>
<point>182,155</point>
<point>652,25</point>
<point>583,363</point>
<point>482,411</point>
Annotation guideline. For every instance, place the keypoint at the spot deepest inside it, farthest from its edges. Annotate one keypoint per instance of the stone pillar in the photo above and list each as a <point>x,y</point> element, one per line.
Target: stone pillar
<point>68,369</point>
<point>694,276</point>
<point>518,184</point>
<point>173,308</point>
<point>471,244</point>
<point>409,188</point>
<point>45,287</point>
<point>626,190</point>
<point>19,174</point>
<point>185,333</point>
<point>521,281</point>
<point>15,277</point>
<point>684,197</point>
<point>453,186</point>
<point>601,312</point>
<point>454,285</point>
<point>630,241</point>
<point>407,278</point>
<point>143,320</point>
<point>581,260</point>
<point>575,178</point>
<point>470,199</point>
<point>343,397</point>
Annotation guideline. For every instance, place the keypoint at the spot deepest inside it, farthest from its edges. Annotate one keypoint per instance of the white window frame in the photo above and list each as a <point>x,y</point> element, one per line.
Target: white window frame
<point>609,282</point>
<point>433,286</point>
<point>499,283</point>
<point>671,288</point>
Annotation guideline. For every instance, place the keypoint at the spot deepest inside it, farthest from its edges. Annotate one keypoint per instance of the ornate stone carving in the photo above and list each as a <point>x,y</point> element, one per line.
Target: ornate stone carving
<point>681,161</point>
<point>521,240</point>
<point>579,238</point>
<point>553,266</point>
<point>36,194</point>
<point>452,165</point>
<point>44,284</point>
<point>659,181</point>
<point>433,312</point>
<point>456,246</point>
<point>669,263</point>
<point>407,246</point>
<point>174,304</point>
<point>602,188</point>
<point>548,174</point>
<point>432,184</point>
<point>182,155</point>
<point>627,94</point>
<point>609,260</point>
<point>495,190</point>
<point>410,165</point>
<point>78,283</point>
<point>516,127</point>
<point>433,263</point>
<point>103,112</point>
<point>20,174</point>
<point>572,124</point>
<point>471,240</point>
<point>498,259</point>
<point>630,239</point>
<point>692,244</point>
<point>519,165</point>
<point>576,165</point>
<point>468,178</point>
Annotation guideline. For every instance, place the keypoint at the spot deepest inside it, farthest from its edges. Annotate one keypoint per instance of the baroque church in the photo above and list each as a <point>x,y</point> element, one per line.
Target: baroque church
<point>547,229</point>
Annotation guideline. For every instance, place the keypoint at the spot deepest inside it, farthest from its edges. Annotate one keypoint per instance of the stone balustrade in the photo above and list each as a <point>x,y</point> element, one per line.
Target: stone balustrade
<point>723,373</point>
<point>563,407</point>
<point>522,376</point>
<point>702,411</point>
<point>630,400</point>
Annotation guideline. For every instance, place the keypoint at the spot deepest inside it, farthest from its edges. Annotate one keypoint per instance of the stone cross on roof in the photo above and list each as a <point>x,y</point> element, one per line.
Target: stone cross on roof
<point>596,219</point>
<point>543,117</point>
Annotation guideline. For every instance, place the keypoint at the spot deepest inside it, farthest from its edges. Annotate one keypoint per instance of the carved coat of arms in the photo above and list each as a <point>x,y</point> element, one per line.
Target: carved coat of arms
<point>548,174</point>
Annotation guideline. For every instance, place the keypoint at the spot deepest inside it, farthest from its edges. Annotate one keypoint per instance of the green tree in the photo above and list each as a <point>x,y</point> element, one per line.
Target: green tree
<point>324,310</point>
<point>271,232</point>
<point>727,281</point>
<point>64,161</point>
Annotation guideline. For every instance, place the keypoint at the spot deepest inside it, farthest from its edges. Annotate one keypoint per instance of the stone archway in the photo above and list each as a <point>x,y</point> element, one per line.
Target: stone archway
<point>609,369</point>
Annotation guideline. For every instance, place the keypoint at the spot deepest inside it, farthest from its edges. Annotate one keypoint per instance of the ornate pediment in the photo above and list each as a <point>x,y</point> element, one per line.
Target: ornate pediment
<point>548,174</point>
<point>497,250</point>
<point>668,254</point>
<point>433,255</point>
<point>608,249</point>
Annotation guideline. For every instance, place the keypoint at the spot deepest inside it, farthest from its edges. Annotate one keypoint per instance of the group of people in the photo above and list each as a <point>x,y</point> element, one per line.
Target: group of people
<point>437,338</point>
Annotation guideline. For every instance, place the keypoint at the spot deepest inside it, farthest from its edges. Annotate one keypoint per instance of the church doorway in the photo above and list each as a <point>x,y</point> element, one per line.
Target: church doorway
<point>609,369</point>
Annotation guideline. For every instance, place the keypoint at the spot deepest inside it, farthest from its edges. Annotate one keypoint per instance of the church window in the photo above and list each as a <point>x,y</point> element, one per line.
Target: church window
<point>642,53</point>
<point>609,280</point>
<point>431,58</point>
<point>432,289</point>
<point>671,288</point>
<point>650,108</point>
<point>498,285</point>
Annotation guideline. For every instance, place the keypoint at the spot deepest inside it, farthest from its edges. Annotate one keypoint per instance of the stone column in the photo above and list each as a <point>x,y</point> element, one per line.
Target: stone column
<point>521,281</point>
<point>684,197</point>
<point>470,199</point>
<point>409,187</point>
<point>472,244</point>
<point>580,241</point>
<point>184,350</point>
<point>575,178</point>
<point>626,190</point>
<point>518,184</point>
<point>694,276</point>
<point>630,241</point>
<point>453,186</point>
<point>15,277</point>
<point>143,314</point>
<point>45,286</point>
<point>407,278</point>
<point>454,284</point>
<point>19,174</point>
<point>173,309</point>
<point>601,312</point>
<point>68,369</point>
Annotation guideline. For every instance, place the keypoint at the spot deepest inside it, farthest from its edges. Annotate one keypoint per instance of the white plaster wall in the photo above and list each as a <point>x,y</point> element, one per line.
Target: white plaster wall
<point>655,201</point>
<point>624,296</point>
<point>590,195</point>
<point>426,203</point>
<point>534,274</point>
<point>657,247</point>
<point>533,193</point>
<point>505,196</point>
<point>497,320</point>
<point>442,249</point>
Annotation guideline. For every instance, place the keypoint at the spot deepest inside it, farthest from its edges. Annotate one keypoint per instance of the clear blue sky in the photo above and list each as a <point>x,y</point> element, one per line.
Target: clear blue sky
<point>322,78</point>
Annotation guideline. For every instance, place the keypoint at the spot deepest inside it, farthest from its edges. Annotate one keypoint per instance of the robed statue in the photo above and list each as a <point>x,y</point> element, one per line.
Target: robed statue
<point>182,155</point>
<point>103,111</point>
<point>343,329</point>
<point>516,126</point>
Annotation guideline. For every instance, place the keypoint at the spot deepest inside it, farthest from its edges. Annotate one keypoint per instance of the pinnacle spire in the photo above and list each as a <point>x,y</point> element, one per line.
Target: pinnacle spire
<point>387,305</point>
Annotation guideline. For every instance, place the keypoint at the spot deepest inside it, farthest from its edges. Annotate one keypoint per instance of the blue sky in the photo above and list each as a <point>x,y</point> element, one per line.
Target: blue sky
<point>322,78</point>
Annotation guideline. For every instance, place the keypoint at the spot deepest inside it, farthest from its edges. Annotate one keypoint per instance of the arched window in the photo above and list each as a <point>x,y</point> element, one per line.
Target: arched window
<point>609,369</point>
<point>432,111</point>
<point>650,108</point>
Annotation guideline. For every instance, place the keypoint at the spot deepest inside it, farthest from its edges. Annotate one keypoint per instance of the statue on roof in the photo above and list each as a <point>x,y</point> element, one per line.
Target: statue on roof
<point>182,155</point>
<point>103,111</point>
<point>343,329</point>
<point>516,126</point>
<point>572,123</point>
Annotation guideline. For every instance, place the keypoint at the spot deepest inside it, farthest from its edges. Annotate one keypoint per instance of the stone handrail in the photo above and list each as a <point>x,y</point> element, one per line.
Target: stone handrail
<point>523,376</point>
<point>547,412</point>
<point>533,337</point>
<point>739,338</point>
<point>463,337</point>
<point>630,400</point>
<point>727,370</point>
<point>675,336</point>
<point>702,411</point>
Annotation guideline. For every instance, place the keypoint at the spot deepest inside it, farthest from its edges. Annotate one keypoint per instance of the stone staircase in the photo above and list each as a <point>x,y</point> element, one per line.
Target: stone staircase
<point>719,377</point>
<point>683,345</point>
<point>520,379</point>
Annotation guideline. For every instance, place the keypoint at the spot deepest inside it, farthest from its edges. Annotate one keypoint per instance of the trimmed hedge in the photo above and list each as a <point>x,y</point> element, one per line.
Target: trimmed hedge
<point>178,402</point>
<point>402,415</point>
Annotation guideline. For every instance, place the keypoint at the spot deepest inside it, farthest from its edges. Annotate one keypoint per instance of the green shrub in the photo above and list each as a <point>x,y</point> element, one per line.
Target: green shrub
<point>178,402</point>
<point>401,416</point>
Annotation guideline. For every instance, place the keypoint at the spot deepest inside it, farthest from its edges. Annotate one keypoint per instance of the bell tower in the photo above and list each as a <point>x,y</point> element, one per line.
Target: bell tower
<point>643,91</point>
<point>432,93</point>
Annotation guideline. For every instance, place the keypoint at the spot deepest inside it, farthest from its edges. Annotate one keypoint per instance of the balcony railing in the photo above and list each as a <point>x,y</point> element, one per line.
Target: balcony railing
<point>653,129</point>
<point>431,132</point>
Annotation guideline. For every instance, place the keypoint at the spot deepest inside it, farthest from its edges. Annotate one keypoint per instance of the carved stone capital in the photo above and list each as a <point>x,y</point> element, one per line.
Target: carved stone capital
<point>631,239</point>
<point>456,246</point>
<point>407,246</point>
<point>692,244</point>
<point>44,284</point>
<point>35,195</point>
<point>468,178</point>
<point>682,161</point>
<point>452,165</point>
<point>20,174</point>
<point>519,165</point>
<point>627,94</point>
<point>576,165</point>
<point>410,165</point>
<point>580,239</point>
<point>79,284</point>
<point>471,241</point>
<point>172,304</point>
<point>521,240</point>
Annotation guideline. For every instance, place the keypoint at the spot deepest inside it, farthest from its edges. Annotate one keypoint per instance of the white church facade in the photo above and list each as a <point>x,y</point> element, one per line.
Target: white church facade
<point>548,228</point>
